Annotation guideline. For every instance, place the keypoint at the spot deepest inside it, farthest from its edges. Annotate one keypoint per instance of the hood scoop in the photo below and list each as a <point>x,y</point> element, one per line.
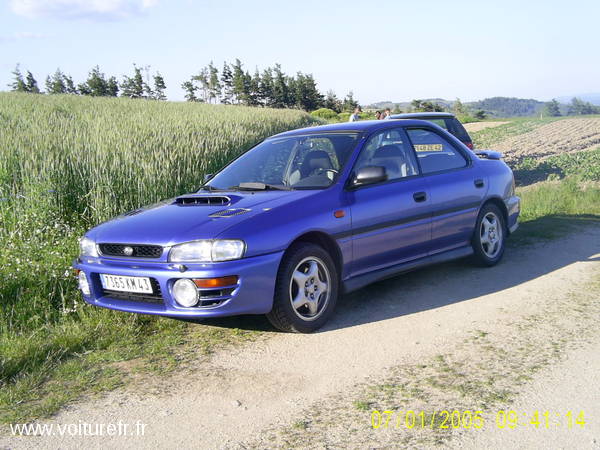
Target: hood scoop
<point>231,212</point>
<point>207,200</point>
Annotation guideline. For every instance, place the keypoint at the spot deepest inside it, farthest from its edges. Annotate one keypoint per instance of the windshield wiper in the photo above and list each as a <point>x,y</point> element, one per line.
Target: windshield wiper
<point>209,188</point>
<point>256,186</point>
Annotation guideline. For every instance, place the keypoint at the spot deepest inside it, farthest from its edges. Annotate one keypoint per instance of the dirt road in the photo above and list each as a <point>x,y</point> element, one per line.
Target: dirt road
<point>305,390</point>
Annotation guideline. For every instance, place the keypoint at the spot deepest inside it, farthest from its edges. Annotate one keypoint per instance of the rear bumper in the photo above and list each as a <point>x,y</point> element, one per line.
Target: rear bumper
<point>513,206</point>
<point>253,294</point>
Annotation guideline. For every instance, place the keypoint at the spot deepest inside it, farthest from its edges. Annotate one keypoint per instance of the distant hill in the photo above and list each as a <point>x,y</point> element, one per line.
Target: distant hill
<point>494,106</point>
<point>507,106</point>
<point>593,98</point>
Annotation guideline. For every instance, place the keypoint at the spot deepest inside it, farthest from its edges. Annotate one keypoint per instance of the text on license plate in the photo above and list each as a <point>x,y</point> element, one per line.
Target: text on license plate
<point>126,284</point>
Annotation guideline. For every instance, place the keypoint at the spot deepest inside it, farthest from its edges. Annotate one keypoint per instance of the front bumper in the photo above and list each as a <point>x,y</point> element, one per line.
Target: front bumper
<point>253,294</point>
<point>513,207</point>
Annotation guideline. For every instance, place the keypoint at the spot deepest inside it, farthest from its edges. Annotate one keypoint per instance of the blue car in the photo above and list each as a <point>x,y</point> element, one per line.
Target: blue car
<point>302,218</point>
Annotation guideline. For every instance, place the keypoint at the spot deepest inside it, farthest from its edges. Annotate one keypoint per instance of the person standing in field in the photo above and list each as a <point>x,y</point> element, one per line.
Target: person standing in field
<point>355,115</point>
<point>387,114</point>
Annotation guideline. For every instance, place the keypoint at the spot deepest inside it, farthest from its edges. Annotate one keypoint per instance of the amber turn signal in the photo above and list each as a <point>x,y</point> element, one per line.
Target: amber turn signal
<point>211,283</point>
<point>339,214</point>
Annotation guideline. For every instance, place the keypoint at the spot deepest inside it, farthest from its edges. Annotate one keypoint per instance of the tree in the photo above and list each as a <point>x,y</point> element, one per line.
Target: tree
<point>31,84</point>
<point>458,108</point>
<point>425,106</point>
<point>190,90</point>
<point>579,107</point>
<point>281,90</point>
<point>159,87</point>
<point>349,102</point>
<point>18,85</point>
<point>214,86</point>
<point>95,85</point>
<point>552,108</point>
<point>112,87</point>
<point>56,84</point>
<point>202,78</point>
<point>307,95</point>
<point>226,84</point>
<point>266,88</point>
<point>239,85</point>
<point>133,87</point>
<point>480,114</point>
<point>69,85</point>
<point>332,102</point>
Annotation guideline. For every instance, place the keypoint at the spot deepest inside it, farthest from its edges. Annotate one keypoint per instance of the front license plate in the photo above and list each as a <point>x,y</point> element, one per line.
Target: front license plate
<point>126,284</point>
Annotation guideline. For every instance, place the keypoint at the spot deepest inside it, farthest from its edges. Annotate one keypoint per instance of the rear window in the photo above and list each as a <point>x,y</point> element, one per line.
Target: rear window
<point>456,128</point>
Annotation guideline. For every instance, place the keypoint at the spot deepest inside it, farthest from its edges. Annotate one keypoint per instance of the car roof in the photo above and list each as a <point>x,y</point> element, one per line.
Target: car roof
<point>422,115</point>
<point>350,127</point>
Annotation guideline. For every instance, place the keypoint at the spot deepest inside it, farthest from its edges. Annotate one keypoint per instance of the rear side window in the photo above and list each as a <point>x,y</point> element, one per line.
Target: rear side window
<point>435,153</point>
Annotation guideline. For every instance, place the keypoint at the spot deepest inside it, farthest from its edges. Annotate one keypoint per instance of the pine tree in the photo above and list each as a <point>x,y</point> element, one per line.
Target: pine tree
<point>332,102</point>
<point>31,84</point>
<point>133,87</point>
<point>239,89</point>
<point>458,108</point>
<point>69,85</point>
<point>349,102</point>
<point>281,91</point>
<point>552,108</point>
<point>18,85</point>
<point>55,84</point>
<point>112,87</point>
<point>96,83</point>
<point>307,95</point>
<point>159,87</point>
<point>214,86</point>
<point>226,85</point>
<point>266,87</point>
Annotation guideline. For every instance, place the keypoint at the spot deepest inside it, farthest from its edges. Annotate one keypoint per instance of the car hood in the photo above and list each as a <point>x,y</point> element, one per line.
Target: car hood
<point>189,217</point>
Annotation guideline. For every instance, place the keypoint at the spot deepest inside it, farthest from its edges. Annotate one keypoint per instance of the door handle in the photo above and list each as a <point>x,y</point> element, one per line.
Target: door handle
<point>420,196</point>
<point>478,183</point>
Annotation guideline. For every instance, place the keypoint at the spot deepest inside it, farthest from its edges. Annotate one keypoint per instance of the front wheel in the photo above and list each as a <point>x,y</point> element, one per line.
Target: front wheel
<point>306,290</point>
<point>489,237</point>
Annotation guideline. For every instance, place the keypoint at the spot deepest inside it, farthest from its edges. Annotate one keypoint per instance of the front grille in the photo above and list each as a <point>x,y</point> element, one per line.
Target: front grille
<point>155,297</point>
<point>139,251</point>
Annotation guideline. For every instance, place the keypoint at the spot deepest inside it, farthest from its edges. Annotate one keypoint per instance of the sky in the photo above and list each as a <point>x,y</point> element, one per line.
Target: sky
<point>385,50</point>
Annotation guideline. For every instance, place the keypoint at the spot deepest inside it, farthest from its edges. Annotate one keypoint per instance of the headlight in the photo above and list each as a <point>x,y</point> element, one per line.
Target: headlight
<point>207,251</point>
<point>87,247</point>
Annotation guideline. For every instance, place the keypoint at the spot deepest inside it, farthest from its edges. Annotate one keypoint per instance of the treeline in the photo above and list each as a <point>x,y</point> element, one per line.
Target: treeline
<point>270,88</point>
<point>577,107</point>
<point>97,84</point>
<point>231,85</point>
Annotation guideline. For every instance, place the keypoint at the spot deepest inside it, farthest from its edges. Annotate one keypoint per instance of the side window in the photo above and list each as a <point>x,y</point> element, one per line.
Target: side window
<point>434,152</point>
<point>389,149</point>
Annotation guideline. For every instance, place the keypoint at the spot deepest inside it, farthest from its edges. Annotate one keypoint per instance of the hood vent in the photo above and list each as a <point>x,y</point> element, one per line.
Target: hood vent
<point>132,213</point>
<point>206,200</point>
<point>230,212</point>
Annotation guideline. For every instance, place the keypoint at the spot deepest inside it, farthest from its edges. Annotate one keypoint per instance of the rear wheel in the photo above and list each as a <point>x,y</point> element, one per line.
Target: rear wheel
<point>306,290</point>
<point>490,235</point>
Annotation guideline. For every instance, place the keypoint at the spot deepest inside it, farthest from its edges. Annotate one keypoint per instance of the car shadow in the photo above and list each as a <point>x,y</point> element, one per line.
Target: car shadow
<point>457,281</point>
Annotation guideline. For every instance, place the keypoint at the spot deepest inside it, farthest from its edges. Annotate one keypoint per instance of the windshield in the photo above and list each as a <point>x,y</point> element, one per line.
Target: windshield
<point>295,162</point>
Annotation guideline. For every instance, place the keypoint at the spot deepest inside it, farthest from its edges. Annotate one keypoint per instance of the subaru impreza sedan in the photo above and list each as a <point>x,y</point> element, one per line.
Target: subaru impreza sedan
<point>302,218</point>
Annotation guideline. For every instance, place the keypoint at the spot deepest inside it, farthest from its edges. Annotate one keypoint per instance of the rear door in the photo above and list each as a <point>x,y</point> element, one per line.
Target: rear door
<point>391,221</point>
<point>456,190</point>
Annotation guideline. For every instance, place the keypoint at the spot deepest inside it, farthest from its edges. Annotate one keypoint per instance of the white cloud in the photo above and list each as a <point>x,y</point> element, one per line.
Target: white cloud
<point>77,9</point>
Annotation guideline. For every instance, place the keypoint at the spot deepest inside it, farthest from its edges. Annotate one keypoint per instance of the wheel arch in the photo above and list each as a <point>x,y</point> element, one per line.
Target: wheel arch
<point>497,201</point>
<point>327,242</point>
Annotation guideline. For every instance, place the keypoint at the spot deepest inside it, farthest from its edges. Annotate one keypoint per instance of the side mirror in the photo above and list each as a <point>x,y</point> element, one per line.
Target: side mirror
<point>207,177</point>
<point>369,175</point>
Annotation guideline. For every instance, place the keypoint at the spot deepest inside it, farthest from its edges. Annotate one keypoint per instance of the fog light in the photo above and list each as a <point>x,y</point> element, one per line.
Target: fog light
<point>83,283</point>
<point>185,292</point>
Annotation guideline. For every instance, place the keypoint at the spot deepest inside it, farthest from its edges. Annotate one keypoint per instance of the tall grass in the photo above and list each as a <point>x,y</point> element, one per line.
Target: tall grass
<point>67,163</point>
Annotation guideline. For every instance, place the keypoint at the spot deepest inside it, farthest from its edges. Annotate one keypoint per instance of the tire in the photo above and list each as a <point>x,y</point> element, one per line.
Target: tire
<point>310,268</point>
<point>489,237</point>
